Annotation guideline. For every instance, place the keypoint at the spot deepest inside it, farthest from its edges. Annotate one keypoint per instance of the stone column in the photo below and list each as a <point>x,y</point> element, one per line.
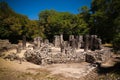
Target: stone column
<point>24,42</point>
<point>61,38</point>
<point>19,47</point>
<point>92,42</point>
<point>95,42</point>
<point>79,41</point>
<point>71,37</point>
<point>56,41</point>
<point>86,44</point>
<point>35,43</point>
<point>46,41</point>
<point>73,45</point>
<point>38,42</point>
<point>62,47</point>
<point>99,43</point>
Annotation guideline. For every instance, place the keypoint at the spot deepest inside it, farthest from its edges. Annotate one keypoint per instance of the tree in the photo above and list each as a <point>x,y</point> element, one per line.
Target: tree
<point>102,18</point>
<point>85,13</point>
<point>105,21</point>
<point>13,25</point>
<point>56,23</point>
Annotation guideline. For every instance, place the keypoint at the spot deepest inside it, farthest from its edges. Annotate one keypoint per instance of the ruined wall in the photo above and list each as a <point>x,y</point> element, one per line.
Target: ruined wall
<point>77,49</point>
<point>45,56</point>
<point>99,55</point>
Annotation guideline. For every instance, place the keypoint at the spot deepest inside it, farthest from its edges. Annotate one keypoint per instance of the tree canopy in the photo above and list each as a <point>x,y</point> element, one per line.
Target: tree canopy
<point>13,25</point>
<point>62,23</point>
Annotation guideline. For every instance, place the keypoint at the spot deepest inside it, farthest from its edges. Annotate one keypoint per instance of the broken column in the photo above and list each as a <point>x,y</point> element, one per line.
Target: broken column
<point>71,37</point>
<point>73,45</point>
<point>19,47</point>
<point>37,42</point>
<point>91,42</point>
<point>61,38</point>
<point>46,41</point>
<point>86,43</point>
<point>99,43</point>
<point>57,41</point>
<point>24,42</point>
<point>79,41</point>
<point>95,43</point>
<point>62,47</point>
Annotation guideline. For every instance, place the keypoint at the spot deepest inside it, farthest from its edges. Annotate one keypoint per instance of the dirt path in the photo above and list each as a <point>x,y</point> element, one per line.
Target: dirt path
<point>15,65</point>
<point>75,70</point>
<point>112,61</point>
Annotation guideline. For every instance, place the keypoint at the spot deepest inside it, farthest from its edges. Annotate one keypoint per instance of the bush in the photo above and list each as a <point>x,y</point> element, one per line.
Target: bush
<point>116,43</point>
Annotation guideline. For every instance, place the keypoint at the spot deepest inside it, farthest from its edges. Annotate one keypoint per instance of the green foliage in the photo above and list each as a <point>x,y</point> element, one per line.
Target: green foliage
<point>105,20</point>
<point>103,17</point>
<point>116,43</point>
<point>13,26</point>
<point>85,13</point>
<point>62,23</point>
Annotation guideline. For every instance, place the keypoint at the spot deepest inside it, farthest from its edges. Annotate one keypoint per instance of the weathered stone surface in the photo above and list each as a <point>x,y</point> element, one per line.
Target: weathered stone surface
<point>46,41</point>
<point>91,46</point>
<point>37,42</point>
<point>86,43</point>
<point>79,41</point>
<point>71,37</point>
<point>62,51</point>
<point>57,41</point>
<point>19,47</point>
<point>62,47</point>
<point>61,38</point>
<point>6,45</point>
<point>33,57</point>
<point>12,56</point>
<point>24,42</point>
<point>99,55</point>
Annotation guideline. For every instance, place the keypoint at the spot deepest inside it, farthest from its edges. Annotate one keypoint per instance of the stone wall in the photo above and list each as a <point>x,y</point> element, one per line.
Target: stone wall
<point>44,55</point>
<point>99,55</point>
<point>69,51</point>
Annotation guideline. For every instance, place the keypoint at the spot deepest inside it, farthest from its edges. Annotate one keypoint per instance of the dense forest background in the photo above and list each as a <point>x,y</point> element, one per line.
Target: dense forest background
<point>102,19</point>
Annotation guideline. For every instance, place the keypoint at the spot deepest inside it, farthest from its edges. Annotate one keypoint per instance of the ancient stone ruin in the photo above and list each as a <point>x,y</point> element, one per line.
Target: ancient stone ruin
<point>77,49</point>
